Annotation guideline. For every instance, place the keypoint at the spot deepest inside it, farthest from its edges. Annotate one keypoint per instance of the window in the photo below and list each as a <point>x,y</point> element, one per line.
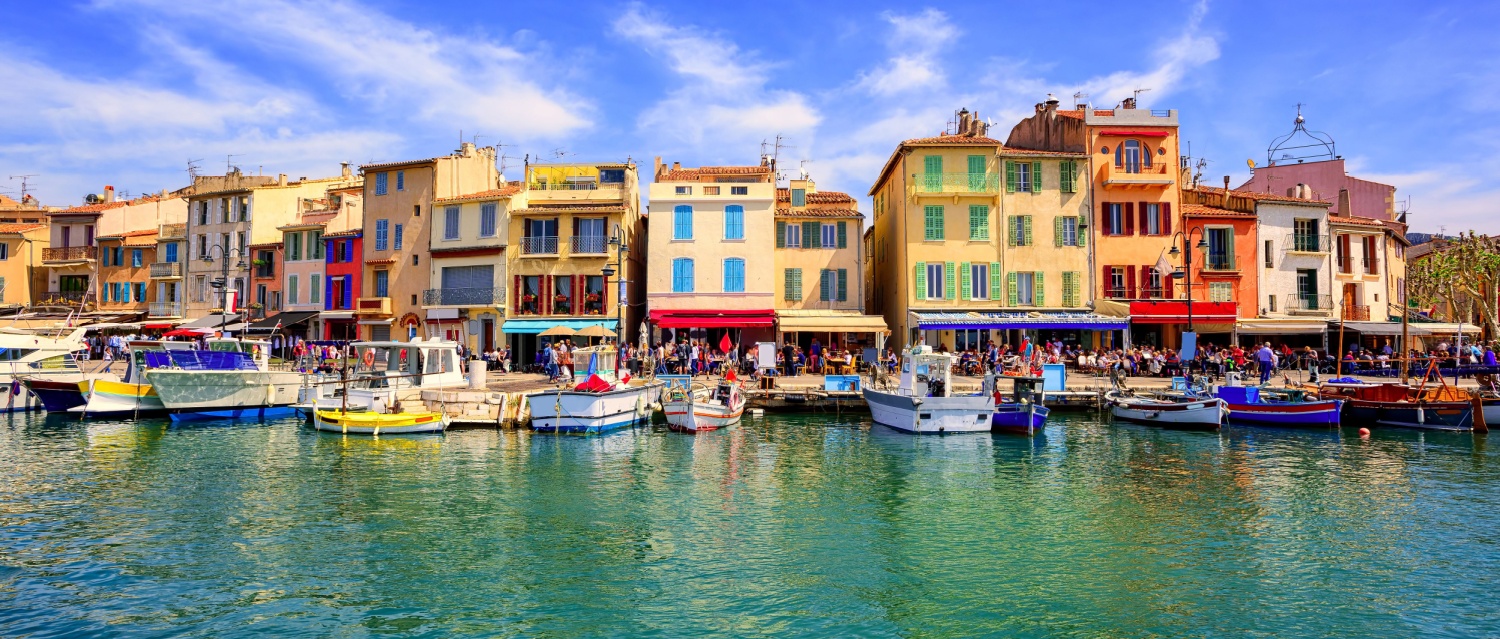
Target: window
<point>1220,292</point>
<point>734,275</point>
<point>1271,303</point>
<point>799,197</point>
<point>416,210</point>
<point>932,173</point>
<point>739,190</point>
<point>450,223</point>
<point>292,290</point>
<point>293,247</point>
<point>1066,230</point>
<point>932,222</point>
<point>137,257</point>
<point>1020,230</point>
<point>171,252</point>
<point>140,291</point>
<point>979,281</point>
<point>710,190</point>
<point>244,205</point>
<point>1131,156</point>
<point>979,222</point>
<point>4,251</point>
<point>1307,289</point>
<point>241,244</point>
<point>314,289</point>
<point>1220,249</point>
<point>380,183</point>
<point>1070,288</point>
<point>1025,288</point>
<point>684,190</point>
<point>1153,284</point>
<point>1067,171</point>
<point>1371,257</point>
<point>1270,259</point>
<point>792,284</point>
<point>1305,235</point>
<point>934,280</point>
<point>794,236</point>
<point>830,235</point>
<point>203,212</point>
<point>1023,176</point>
<point>1153,218</point>
<point>315,245</point>
<point>1117,282</point>
<point>682,275</point>
<point>396,238</point>
<point>401,180</point>
<point>487,222</point>
<point>382,283</point>
<point>682,222</point>
<point>1115,224</point>
<point>348,247</point>
<point>734,222</point>
<point>382,234</point>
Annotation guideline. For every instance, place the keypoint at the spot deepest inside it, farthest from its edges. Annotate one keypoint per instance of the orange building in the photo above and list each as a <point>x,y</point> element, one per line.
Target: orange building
<point>125,271</point>
<point>1223,261</point>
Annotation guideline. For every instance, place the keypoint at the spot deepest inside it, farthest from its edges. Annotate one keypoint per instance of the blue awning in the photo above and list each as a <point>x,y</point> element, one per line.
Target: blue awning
<point>534,326</point>
<point>1003,320</point>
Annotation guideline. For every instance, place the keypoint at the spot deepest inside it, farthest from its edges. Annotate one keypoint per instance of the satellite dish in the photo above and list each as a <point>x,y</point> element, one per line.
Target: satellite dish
<point>1251,162</point>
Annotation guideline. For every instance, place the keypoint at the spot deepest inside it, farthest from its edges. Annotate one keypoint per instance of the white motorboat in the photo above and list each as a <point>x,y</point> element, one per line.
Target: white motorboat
<point>924,403</point>
<point>34,356</point>
<point>703,409</point>
<point>385,375</point>
<point>597,405</point>
<point>1191,413</point>
<point>230,380</point>
<point>133,395</point>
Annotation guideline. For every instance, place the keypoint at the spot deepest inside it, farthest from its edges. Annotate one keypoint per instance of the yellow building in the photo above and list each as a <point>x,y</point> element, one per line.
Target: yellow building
<point>21,275</point>
<point>465,298</point>
<point>124,275</point>
<point>819,263</point>
<point>711,270</point>
<point>578,220</point>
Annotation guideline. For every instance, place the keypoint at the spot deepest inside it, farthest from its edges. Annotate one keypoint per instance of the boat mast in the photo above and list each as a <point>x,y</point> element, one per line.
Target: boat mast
<point>1405,335</point>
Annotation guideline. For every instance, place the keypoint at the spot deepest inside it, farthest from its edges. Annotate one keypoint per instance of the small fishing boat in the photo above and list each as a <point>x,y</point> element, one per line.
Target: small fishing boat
<point>368,423</point>
<point>1402,406</point>
<point>1024,414</point>
<point>31,358</point>
<point>57,396</point>
<point>231,380</point>
<point>597,405</point>
<point>923,402</point>
<point>1285,407</point>
<point>132,396</point>
<point>385,375</point>
<point>1185,413</point>
<point>703,409</point>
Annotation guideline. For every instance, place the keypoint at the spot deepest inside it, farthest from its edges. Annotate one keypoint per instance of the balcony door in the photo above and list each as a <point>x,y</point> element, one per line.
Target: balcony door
<point>336,293</point>
<point>1307,288</point>
<point>468,285</point>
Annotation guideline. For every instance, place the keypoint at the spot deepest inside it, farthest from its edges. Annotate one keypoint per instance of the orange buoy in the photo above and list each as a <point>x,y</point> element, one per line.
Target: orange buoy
<point>1364,432</point>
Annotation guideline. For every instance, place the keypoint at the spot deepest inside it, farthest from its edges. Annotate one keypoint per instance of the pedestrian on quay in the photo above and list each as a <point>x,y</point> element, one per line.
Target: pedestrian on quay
<point>1266,360</point>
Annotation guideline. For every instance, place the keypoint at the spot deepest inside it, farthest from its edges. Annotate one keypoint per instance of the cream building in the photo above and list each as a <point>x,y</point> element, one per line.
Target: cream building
<point>71,259</point>
<point>819,266</point>
<point>465,298</point>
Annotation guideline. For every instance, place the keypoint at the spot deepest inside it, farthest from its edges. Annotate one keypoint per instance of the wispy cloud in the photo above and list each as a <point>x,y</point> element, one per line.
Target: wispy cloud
<point>916,41</point>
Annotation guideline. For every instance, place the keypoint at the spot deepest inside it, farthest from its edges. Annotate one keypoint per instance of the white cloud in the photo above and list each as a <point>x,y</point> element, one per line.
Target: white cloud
<point>916,42</point>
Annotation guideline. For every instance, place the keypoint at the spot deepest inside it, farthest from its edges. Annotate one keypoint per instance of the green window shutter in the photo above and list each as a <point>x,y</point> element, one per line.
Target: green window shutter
<point>948,280</point>
<point>823,292</point>
<point>1065,176</point>
<point>976,164</point>
<point>1038,289</point>
<point>933,222</point>
<point>932,164</point>
<point>1036,177</point>
<point>797,284</point>
<point>1077,289</point>
<point>1229,249</point>
<point>843,234</point>
<point>1026,230</point>
<point>979,222</point>
<point>995,281</point>
<point>1083,234</point>
<point>976,174</point>
<point>1012,297</point>
<point>812,236</point>
<point>780,234</point>
<point>963,280</point>
<point>1067,288</point>
<point>1057,231</point>
<point>921,280</point>
<point>1010,231</point>
<point>843,285</point>
<point>1010,177</point>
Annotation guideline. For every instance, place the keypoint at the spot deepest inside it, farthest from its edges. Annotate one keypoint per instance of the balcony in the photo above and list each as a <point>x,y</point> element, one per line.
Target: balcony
<point>166,270</point>
<point>486,297</point>
<point>1307,243</point>
<point>165,309</point>
<point>587,244</point>
<point>1219,264</point>
<point>958,183</point>
<point>373,306</point>
<point>1151,177</point>
<point>539,245</point>
<point>65,298</point>
<point>68,254</point>
<point>1310,304</point>
<point>1356,313</point>
<point>172,232</point>
<point>575,191</point>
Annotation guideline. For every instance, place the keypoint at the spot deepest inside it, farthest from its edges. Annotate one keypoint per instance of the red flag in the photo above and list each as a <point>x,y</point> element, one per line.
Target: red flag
<point>730,376</point>
<point>725,344</point>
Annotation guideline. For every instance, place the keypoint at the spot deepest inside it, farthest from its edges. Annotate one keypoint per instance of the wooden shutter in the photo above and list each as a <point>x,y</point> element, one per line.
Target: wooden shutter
<point>1057,231</point>
<point>1065,176</point>
<point>1374,252</point>
<point>1104,219</point>
<point>1166,218</point>
<point>1010,231</point>
<point>932,164</point>
<point>921,280</point>
<point>995,281</point>
<point>1130,282</point>
<point>843,285</point>
<point>1010,176</point>
<point>1166,288</point>
<point>1229,246</point>
<point>780,233</point>
<point>1146,282</point>
<point>1038,297</point>
<point>812,235</point>
<point>1012,297</point>
<point>1129,218</point>
<point>786,284</point>
<point>824,294</point>
<point>1083,235</point>
<point>843,234</point>
<point>976,166</point>
<point>1346,262</point>
<point>1026,230</point>
<point>949,283</point>
<point>1036,177</point>
<point>1145,224</point>
<point>963,281</point>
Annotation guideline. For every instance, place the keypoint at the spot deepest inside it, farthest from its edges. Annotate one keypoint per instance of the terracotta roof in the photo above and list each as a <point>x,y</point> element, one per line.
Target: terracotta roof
<point>116,236</point>
<point>20,228</point>
<point>383,260</point>
<point>90,208</point>
<point>1076,114</point>
<point>818,212</point>
<point>820,197</point>
<point>1013,151</point>
<point>955,139</point>
<point>348,233</point>
<point>1262,197</point>
<point>680,175</point>
<point>492,194</point>
<point>382,165</point>
<point>1198,210</point>
<point>1357,221</point>
<point>571,208</point>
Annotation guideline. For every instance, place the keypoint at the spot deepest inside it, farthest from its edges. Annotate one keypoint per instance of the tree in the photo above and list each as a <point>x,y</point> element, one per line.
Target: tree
<point>1461,279</point>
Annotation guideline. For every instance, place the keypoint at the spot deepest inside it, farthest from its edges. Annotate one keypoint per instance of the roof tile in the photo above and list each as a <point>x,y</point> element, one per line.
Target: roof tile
<point>505,191</point>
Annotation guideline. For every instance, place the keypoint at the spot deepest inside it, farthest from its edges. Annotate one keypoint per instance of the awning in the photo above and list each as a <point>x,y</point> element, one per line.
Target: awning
<point>1422,329</point>
<point>235,327</point>
<point>1135,133</point>
<point>336,315</point>
<point>1176,312</point>
<point>442,314</point>
<point>1282,326</point>
<point>377,322</point>
<point>534,326</point>
<point>936,321</point>
<point>213,321</point>
<point>160,325</point>
<point>289,318</point>
<point>826,321</point>
<point>712,318</point>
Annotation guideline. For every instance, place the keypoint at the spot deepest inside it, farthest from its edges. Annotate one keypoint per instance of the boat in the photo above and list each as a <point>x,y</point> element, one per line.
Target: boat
<point>1396,405</point>
<point>230,380</point>
<point>56,396</point>
<point>370,423</point>
<point>35,357</point>
<point>132,396</point>
<point>1184,413</point>
<point>597,405</point>
<point>1024,414</point>
<point>385,375</point>
<point>1283,407</point>
<point>923,402</point>
<point>703,409</point>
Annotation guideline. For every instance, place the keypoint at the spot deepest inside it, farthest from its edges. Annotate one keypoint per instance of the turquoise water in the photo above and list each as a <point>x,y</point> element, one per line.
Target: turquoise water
<point>786,526</point>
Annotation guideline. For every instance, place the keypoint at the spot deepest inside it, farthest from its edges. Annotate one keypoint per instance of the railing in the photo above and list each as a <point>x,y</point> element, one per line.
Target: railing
<point>166,269</point>
<point>265,270</point>
<point>1219,263</point>
<point>1308,243</point>
<point>165,309</point>
<point>463,297</point>
<point>1345,265</point>
<point>1309,302</point>
<point>573,186</point>
<point>1118,293</point>
<point>958,183</point>
<point>373,305</point>
<point>1136,173</point>
<point>68,253</point>
<point>172,231</point>
<point>1151,293</point>
<point>539,245</point>
<point>587,243</point>
<point>1357,313</point>
<point>66,297</point>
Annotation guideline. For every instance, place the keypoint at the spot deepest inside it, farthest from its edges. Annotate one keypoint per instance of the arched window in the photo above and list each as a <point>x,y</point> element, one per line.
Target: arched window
<point>682,275</point>
<point>1131,156</point>
<point>734,275</point>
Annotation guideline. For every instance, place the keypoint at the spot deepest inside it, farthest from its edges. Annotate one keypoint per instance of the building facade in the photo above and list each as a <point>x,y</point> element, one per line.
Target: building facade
<point>466,292</point>
<point>21,272</point>
<point>819,265</point>
<point>304,251</point>
<point>125,271</point>
<point>343,280</point>
<point>71,259</point>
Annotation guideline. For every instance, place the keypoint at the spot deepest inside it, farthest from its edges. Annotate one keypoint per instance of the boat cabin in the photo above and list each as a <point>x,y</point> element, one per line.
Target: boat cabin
<point>604,365</point>
<point>925,373</point>
<point>429,363</point>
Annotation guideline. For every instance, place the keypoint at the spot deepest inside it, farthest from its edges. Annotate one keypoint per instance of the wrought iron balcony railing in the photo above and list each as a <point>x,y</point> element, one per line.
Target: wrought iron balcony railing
<point>166,269</point>
<point>1309,303</point>
<point>539,245</point>
<point>464,297</point>
<point>1357,313</point>
<point>588,244</point>
<point>958,182</point>
<point>165,309</point>
<point>68,253</point>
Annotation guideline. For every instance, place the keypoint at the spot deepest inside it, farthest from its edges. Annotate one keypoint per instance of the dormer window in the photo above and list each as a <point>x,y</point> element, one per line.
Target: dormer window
<point>799,197</point>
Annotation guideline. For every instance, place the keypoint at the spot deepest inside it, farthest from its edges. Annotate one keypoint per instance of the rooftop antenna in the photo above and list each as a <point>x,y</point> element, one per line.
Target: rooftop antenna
<point>229,161</point>
<point>1315,145</point>
<point>192,168</point>
<point>1138,93</point>
<point>776,153</point>
<point>25,183</point>
<point>560,153</point>
<point>802,168</point>
<point>1080,98</point>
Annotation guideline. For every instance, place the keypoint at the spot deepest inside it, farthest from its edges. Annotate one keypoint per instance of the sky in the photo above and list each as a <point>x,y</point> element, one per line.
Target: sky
<point>127,92</point>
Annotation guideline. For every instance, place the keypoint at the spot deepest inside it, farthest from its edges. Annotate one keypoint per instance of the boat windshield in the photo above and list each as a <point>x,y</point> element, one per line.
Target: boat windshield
<point>64,362</point>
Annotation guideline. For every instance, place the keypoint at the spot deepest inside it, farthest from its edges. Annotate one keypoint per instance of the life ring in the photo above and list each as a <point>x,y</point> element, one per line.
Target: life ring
<point>368,358</point>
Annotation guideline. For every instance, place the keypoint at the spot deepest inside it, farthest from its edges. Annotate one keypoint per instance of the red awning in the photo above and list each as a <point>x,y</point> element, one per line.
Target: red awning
<point>1176,312</point>
<point>157,327</point>
<point>706,318</point>
<point>1136,133</point>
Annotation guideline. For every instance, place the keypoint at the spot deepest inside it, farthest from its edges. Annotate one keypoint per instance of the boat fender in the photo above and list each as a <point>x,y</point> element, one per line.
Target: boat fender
<point>1364,432</point>
<point>270,393</point>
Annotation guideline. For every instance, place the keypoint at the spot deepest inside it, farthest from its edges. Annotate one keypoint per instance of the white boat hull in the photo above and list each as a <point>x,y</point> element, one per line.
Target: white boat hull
<point>1198,415</point>
<point>591,413</point>
<point>702,414</point>
<point>104,397</point>
<point>931,415</point>
<point>237,393</point>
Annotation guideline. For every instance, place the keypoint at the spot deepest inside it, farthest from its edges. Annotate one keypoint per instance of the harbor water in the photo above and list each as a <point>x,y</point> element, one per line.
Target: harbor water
<point>786,526</point>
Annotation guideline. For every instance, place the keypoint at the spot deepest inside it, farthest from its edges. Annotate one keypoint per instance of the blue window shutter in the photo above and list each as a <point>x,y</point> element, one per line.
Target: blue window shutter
<point>397,238</point>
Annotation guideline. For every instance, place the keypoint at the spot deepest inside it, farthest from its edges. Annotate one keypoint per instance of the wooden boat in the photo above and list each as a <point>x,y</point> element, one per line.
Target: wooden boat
<point>1024,414</point>
<point>598,405</point>
<point>702,409</point>
<point>1402,406</point>
<point>57,396</point>
<point>385,374</point>
<point>1180,413</point>
<point>924,404</point>
<point>369,423</point>
<point>1251,405</point>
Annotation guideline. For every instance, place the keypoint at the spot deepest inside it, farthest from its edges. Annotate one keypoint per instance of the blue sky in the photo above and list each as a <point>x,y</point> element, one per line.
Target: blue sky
<point>125,92</point>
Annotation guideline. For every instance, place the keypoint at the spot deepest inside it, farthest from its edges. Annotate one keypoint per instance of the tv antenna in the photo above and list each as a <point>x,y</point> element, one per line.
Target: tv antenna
<point>228,162</point>
<point>192,168</point>
<point>802,168</point>
<point>1080,99</point>
<point>25,184</point>
<point>1138,93</point>
<point>561,153</point>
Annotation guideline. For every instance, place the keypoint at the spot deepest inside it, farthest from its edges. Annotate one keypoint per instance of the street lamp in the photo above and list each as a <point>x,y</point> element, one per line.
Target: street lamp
<point>1186,272</point>
<point>225,252</point>
<point>617,241</point>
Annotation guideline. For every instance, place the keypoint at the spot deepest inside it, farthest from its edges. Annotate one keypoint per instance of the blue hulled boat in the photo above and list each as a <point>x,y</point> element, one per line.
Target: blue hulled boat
<point>1024,413</point>
<point>1247,405</point>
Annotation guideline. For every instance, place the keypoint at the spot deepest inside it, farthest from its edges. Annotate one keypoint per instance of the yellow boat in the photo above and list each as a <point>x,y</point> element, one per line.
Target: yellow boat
<point>372,423</point>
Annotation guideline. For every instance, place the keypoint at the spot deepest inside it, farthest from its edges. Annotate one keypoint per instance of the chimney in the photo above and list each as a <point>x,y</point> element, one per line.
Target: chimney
<point>656,168</point>
<point>1294,191</point>
<point>963,122</point>
<point>676,166</point>
<point>1051,103</point>
<point>345,170</point>
<point>281,179</point>
<point>466,149</point>
<point>109,193</point>
<point>1345,205</point>
<point>1226,192</point>
<point>1127,103</point>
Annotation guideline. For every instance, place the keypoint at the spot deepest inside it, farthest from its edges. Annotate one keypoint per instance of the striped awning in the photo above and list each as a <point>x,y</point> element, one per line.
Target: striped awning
<point>942,321</point>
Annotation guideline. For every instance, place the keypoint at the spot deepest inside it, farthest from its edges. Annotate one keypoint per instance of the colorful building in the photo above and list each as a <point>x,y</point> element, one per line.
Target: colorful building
<point>166,274</point>
<point>71,259</point>
<point>1222,240</point>
<point>305,257</point>
<point>712,270</point>
<point>398,199</point>
<point>819,263</point>
<point>465,296</point>
<point>343,279</point>
<point>125,271</point>
<point>21,275</point>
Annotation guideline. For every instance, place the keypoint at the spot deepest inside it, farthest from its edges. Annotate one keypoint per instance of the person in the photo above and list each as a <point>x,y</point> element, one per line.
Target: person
<point>1489,356</point>
<point>1265,359</point>
<point>789,359</point>
<point>551,362</point>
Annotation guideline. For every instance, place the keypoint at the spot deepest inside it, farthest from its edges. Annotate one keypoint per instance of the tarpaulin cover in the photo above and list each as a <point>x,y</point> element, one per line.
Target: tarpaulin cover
<point>200,360</point>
